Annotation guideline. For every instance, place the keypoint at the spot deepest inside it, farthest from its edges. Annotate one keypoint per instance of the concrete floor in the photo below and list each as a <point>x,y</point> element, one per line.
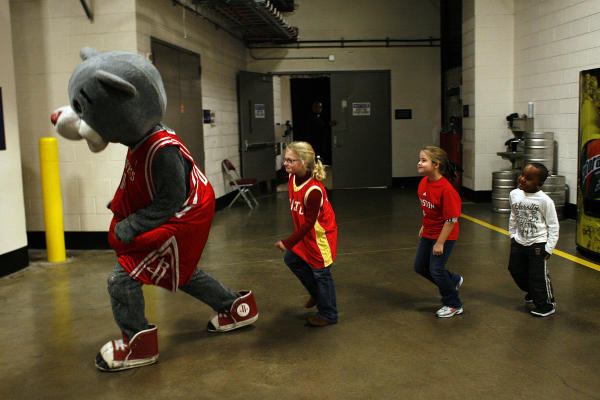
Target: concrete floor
<point>388,344</point>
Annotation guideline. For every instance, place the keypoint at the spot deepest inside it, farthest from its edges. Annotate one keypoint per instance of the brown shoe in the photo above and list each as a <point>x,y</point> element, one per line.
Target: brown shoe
<point>317,321</point>
<point>310,303</point>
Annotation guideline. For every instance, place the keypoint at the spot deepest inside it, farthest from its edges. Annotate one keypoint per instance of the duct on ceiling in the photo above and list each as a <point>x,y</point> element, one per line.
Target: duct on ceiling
<point>254,21</point>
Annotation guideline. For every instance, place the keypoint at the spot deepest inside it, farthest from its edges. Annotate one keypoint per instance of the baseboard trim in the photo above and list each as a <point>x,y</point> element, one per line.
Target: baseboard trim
<point>477,196</point>
<point>406,182</point>
<point>571,211</point>
<point>224,201</point>
<point>73,240</point>
<point>14,261</point>
<point>99,240</point>
<point>588,253</point>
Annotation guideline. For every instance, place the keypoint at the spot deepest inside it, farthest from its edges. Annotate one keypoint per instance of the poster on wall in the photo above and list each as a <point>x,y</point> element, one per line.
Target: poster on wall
<point>2,137</point>
<point>259,111</point>
<point>588,170</point>
<point>361,109</point>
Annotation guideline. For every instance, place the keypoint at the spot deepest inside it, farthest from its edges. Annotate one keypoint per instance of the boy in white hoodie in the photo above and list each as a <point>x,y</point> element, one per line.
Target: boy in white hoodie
<point>533,228</point>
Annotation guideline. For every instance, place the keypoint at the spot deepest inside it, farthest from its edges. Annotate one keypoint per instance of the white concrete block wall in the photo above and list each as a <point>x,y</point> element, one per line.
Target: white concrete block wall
<point>489,41</point>
<point>554,41</point>
<point>47,37</point>
<point>12,211</point>
<point>221,58</point>
<point>468,92</point>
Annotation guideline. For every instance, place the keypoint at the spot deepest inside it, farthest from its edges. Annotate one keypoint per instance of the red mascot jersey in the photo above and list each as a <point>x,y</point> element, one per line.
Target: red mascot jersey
<point>319,246</point>
<point>168,255</point>
<point>439,202</point>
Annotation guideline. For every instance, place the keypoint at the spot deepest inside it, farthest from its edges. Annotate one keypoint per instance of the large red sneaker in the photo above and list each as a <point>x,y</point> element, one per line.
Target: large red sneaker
<point>243,312</point>
<point>120,354</point>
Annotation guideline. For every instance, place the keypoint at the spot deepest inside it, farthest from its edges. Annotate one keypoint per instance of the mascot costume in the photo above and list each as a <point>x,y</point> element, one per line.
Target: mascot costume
<point>162,208</point>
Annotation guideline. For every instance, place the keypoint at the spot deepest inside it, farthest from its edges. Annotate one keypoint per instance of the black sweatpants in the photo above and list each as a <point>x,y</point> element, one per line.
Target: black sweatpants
<point>528,268</point>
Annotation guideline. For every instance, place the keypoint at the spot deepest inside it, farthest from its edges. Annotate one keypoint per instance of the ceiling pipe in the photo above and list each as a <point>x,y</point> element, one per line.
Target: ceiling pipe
<point>196,13</point>
<point>316,44</point>
<point>288,58</point>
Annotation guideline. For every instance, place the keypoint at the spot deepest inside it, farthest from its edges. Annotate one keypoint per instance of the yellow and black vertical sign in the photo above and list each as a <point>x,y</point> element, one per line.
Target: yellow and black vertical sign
<point>588,171</point>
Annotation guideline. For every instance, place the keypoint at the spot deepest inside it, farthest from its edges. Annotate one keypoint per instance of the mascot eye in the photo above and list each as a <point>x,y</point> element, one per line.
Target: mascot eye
<point>85,96</point>
<point>77,107</point>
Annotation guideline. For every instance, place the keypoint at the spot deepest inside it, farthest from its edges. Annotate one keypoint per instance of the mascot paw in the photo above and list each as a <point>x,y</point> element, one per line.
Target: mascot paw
<point>68,124</point>
<point>124,231</point>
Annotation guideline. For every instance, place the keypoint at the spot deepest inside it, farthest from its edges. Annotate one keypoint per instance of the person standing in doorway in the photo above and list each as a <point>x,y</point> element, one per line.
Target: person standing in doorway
<point>318,132</point>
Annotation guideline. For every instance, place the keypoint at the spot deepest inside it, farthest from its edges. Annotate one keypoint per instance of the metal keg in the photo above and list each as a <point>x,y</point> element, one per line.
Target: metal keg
<point>539,148</point>
<point>555,187</point>
<point>502,184</point>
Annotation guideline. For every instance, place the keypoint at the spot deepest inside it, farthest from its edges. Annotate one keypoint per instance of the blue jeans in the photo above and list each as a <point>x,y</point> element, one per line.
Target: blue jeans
<point>434,268</point>
<point>318,282</point>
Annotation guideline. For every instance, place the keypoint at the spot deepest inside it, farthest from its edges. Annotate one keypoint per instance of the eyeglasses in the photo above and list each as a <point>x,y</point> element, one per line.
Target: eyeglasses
<point>289,160</point>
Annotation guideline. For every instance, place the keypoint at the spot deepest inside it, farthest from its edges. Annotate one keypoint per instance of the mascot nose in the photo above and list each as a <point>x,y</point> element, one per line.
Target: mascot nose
<point>54,117</point>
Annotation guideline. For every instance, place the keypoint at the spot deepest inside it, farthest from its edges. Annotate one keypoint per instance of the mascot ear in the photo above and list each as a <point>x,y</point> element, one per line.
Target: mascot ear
<point>88,52</point>
<point>115,82</point>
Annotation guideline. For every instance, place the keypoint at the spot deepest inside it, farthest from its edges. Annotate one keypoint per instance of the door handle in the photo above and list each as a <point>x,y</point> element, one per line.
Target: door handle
<point>250,116</point>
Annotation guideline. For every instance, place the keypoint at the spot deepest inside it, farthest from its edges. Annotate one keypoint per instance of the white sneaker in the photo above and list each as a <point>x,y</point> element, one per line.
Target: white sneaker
<point>447,312</point>
<point>460,282</point>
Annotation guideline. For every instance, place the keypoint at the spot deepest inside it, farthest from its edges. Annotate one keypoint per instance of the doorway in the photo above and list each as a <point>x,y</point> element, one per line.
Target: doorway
<point>356,129</point>
<point>180,72</point>
<point>312,124</point>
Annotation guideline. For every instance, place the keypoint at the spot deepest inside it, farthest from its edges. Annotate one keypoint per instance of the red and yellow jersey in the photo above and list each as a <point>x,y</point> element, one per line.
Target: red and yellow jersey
<point>319,246</point>
<point>167,255</point>
<point>439,202</point>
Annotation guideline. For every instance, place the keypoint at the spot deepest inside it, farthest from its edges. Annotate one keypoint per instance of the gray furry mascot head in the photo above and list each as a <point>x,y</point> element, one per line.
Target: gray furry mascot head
<point>115,97</point>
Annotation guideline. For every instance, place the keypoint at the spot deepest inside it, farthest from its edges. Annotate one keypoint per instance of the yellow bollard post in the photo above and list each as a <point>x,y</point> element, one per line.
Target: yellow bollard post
<point>53,213</point>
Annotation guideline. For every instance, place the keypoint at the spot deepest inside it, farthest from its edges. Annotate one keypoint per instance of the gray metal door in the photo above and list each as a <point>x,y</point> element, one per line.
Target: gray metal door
<point>361,140</point>
<point>180,71</point>
<point>257,128</point>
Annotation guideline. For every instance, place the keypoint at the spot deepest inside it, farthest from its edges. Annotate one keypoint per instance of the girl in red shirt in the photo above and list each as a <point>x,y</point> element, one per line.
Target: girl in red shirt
<point>441,208</point>
<point>311,249</point>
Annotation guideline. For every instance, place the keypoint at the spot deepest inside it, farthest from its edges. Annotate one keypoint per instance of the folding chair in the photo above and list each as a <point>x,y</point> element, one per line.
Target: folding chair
<point>241,185</point>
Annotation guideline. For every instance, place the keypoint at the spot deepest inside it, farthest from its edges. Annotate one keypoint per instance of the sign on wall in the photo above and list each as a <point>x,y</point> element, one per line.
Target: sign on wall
<point>361,109</point>
<point>259,111</point>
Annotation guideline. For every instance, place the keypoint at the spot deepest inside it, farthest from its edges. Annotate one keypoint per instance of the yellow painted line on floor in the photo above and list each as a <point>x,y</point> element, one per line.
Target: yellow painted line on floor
<point>559,253</point>
<point>480,222</point>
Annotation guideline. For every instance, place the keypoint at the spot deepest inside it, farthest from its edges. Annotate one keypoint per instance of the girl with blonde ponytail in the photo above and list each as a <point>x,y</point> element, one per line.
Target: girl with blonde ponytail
<point>305,152</point>
<point>311,249</point>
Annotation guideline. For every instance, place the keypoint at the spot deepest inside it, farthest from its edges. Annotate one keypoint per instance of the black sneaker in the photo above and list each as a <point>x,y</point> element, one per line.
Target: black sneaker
<point>528,298</point>
<point>543,311</point>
